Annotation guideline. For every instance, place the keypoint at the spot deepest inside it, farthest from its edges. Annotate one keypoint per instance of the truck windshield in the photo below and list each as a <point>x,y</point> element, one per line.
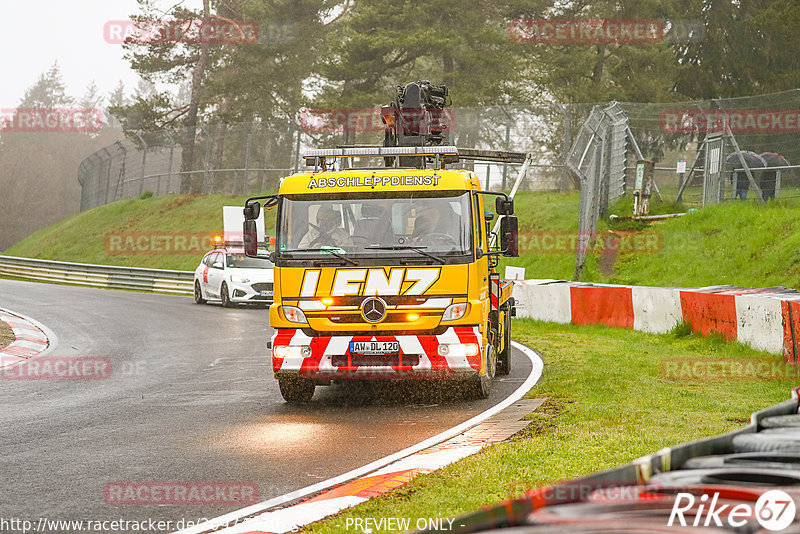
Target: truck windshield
<point>376,225</point>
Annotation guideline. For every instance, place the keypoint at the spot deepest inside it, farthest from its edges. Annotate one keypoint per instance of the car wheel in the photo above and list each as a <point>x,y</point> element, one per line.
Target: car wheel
<point>223,295</point>
<point>198,294</point>
<point>295,389</point>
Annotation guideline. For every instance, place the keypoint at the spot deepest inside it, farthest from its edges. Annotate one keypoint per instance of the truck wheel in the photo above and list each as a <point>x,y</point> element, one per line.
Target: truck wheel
<point>481,385</point>
<point>296,389</point>
<point>504,358</point>
<point>198,294</point>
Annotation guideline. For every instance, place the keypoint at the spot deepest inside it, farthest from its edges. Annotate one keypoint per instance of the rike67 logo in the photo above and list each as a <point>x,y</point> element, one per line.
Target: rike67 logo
<point>774,510</point>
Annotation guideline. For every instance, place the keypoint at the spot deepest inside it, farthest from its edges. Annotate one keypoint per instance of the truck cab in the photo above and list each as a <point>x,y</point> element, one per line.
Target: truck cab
<point>387,274</point>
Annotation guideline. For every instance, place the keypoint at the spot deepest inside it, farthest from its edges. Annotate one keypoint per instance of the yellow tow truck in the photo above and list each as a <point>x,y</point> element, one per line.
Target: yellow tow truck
<point>387,273</point>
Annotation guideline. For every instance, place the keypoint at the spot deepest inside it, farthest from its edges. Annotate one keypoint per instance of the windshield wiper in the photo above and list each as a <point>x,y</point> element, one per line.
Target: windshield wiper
<point>407,247</point>
<point>323,251</point>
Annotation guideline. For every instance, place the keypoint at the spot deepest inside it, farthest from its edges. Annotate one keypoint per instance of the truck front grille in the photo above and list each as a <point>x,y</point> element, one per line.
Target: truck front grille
<point>345,360</point>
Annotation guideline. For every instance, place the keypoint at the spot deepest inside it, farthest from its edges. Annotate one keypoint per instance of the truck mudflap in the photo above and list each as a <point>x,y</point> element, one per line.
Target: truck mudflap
<point>458,351</point>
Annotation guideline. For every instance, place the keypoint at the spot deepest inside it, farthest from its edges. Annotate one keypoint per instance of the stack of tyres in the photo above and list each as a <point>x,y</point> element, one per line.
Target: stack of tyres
<point>729,474</point>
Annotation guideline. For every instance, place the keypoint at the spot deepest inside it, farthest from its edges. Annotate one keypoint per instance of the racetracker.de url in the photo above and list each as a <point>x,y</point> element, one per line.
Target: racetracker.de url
<point>79,526</point>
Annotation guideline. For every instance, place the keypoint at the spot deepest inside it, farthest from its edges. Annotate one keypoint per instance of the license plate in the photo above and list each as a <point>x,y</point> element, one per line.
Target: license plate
<point>374,347</point>
<point>265,293</point>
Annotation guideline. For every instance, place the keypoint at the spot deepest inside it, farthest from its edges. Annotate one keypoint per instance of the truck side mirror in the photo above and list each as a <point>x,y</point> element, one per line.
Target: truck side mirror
<point>509,236</point>
<point>252,210</point>
<point>504,206</point>
<point>250,237</point>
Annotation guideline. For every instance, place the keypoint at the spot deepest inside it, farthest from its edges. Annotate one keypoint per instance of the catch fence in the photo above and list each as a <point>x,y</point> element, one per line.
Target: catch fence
<point>239,159</point>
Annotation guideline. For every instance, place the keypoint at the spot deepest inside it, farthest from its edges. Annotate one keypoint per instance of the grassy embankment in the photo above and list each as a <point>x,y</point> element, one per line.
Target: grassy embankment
<point>736,243</point>
<point>87,236</point>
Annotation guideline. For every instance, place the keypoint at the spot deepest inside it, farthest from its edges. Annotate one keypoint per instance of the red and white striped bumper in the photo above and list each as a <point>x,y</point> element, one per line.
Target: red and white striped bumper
<point>420,356</point>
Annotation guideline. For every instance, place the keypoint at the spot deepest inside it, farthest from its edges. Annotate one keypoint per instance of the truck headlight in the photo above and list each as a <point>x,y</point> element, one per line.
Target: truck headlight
<point>455,311</point>
<point>294,314</point>
<point>239,279</point>
<point>291,351</point>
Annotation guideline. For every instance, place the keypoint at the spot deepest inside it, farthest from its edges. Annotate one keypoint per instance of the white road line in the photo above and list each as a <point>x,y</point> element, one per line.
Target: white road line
<point>537,365</point>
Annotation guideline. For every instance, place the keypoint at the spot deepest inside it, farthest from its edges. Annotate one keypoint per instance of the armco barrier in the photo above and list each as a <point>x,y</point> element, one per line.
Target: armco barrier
<point>765,319</point>
<point>158,280</point>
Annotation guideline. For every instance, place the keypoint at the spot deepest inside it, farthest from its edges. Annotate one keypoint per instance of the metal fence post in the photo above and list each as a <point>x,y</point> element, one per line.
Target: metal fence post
<point>169,169</point>
<point>82,174</point>
<point>97,179</point>
<point>144,164</point>
<point>297,151</point>
<point>206,186</point>
<point>508,144</point>
<point>107,165</point>
<point>119,191</point>
<point>562,187</point>
<point>248,145</point>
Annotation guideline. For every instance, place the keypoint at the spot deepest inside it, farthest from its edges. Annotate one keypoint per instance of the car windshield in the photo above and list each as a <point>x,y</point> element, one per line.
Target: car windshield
<point>240,261</point>
<point>438,225</point>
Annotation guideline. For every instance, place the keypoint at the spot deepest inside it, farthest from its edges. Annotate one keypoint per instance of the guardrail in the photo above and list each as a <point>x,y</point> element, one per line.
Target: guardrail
<point>86,274</point>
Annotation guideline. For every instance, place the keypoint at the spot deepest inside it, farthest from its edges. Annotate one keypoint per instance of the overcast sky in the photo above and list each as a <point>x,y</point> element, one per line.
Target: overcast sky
<point>35,33</point>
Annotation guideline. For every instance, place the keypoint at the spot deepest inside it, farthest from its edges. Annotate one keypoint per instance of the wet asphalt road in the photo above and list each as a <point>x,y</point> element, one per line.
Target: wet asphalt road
<point>191,398</point>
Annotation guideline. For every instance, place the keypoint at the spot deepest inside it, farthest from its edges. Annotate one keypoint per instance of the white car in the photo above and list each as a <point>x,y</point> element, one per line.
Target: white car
<point>227,275</point>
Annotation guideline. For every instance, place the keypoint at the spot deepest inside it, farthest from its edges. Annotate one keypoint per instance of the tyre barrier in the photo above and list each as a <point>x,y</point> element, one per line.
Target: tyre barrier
<point>766,319</point>
<point>110,276</point>
<point>711,482</point>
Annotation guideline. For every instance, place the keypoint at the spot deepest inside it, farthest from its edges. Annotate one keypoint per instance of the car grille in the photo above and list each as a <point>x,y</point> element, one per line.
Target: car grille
<point>262,286</point>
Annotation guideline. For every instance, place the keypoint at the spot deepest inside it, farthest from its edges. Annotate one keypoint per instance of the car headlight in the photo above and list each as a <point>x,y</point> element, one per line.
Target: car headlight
<point>455,311</point>
<point>294,314</point>
<point>239,279</point>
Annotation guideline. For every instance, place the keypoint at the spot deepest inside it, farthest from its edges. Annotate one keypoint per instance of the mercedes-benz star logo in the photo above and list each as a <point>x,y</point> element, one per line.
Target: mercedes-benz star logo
<point>373,309</point>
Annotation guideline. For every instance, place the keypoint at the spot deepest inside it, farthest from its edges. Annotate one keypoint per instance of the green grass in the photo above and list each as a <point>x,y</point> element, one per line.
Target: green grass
<point>736,243</point>
<point>83,237</point>
<point>607,405</point>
